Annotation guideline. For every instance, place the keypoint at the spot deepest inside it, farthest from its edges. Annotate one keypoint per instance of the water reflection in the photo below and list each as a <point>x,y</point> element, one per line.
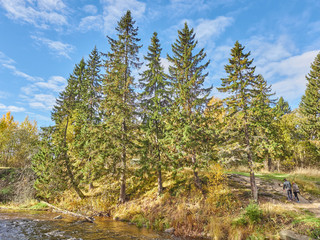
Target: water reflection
<point>35,225</point>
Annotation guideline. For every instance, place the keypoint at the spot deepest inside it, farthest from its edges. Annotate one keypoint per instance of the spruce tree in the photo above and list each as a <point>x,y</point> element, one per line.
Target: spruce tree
<point>154,104</point>
<point>310,102</point>
<point>118,105</point>
<point>51,178</point>
<point>310,112</point>
<point>264,129</point>
<point>187,77</point>
<point>282,107</point>
<point>64,115</point>
<point>87,117</point>
<point>240,85</point>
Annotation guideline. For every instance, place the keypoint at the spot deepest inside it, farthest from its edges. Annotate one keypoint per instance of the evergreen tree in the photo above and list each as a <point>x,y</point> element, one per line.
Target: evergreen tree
<point>119,103</point>
<point>310,109</point>
<point>282,107</point>
<point>190,100</point>
<point>263,121</point>
<point>47,165</point>
<point>87,116</point>
<point>64,114</point>
<point>310,102</point>
<point>154,105</point>
<point>241,84</point>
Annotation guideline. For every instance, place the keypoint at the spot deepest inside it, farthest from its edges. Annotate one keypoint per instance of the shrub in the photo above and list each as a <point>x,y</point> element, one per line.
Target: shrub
<point>253,212</point>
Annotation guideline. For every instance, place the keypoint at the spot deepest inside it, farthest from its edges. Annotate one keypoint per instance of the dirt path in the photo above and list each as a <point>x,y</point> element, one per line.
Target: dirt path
<point>272,191</point>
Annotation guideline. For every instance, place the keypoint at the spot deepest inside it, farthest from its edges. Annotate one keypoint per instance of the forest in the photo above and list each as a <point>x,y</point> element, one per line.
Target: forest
<point>122,133</point>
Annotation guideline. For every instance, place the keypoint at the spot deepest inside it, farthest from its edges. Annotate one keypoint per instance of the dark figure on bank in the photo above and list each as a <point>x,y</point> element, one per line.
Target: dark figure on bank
<point>295,190</point>
<point>287,186</point>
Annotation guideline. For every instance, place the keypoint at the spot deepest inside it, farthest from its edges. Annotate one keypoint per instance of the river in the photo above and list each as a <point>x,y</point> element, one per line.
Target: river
<point>39,225</point>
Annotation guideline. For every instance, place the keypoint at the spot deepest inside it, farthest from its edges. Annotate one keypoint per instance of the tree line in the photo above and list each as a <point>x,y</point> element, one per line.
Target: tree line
<point>107,124</point>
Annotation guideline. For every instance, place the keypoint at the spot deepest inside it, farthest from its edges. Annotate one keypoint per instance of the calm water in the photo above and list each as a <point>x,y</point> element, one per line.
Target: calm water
<point>22,225</point>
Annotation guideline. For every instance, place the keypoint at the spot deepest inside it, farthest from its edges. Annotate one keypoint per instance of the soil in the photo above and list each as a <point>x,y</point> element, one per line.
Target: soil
<point>272,191</point>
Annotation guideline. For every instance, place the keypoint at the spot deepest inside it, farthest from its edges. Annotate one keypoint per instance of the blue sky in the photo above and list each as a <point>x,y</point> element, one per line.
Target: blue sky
<point>42,40</point>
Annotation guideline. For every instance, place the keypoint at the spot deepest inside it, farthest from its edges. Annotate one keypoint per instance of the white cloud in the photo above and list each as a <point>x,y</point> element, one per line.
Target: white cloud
<point>40,13</point>
<point>19,73</point>
<point>113,10</point>
<point>41,101</point>
<point>211,28</point>
<point>5,60</point>
<point>266,50</point>
<point>55,83</point>
<point>57,47</point>
<point>91,23</point>
<point>42,94</point>
<point>11,108</point>
<point>91,9</point>
<point>289,74</point>
<point>165,64</point>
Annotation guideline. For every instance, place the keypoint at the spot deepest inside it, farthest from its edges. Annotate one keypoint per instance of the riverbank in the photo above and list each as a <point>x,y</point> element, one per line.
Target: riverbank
<point>221,211</point>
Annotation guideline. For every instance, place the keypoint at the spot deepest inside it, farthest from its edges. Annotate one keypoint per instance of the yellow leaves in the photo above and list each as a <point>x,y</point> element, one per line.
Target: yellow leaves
<point>7,122</point>
<point>216,110</point>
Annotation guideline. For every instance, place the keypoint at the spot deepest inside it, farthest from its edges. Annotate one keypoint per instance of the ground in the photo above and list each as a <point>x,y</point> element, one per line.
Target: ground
<point>271,190</point>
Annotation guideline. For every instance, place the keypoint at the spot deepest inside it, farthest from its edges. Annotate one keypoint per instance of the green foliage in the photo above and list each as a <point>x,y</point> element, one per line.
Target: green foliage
<point>118,107</point>
<point>6,191</point>
<point>17,141</point>
<point>310,109</point>
<point>39,206</point>
<point>187,131</point>
<point>154,105</point>
<point>315,233</point>
<point>253,213</point>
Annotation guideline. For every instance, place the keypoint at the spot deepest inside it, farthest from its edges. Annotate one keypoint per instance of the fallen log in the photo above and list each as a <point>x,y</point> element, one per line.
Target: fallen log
<point>86,218</point>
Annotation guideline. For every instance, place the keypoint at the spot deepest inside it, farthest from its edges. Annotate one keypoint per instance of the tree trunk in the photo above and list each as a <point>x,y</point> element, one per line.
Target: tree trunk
<point>195,173</point>
<point>254,190</point>
<point>67,162</point>
<point>160,187</point>
<point>270,167</point>
<point>122,197</point>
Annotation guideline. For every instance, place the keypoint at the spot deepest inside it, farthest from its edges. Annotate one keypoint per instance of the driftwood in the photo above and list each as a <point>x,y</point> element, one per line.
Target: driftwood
<point>86,218</point>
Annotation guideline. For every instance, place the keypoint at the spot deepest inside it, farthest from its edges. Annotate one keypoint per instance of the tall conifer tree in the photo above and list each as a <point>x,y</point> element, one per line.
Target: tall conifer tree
<point>240,84</point>
<point>119,103</point>
<point>64,115</point>
<point>310,110</point>
<point>87,116</point>
<point>310,103</point>
<point>154,105</point>
<point>190,99</point>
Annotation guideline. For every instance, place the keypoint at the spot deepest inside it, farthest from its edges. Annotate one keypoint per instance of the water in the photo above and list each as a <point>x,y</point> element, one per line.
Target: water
<point>36,225</point>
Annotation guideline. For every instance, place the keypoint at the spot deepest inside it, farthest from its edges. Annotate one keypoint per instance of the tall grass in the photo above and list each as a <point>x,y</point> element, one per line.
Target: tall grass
<point>308,172</point>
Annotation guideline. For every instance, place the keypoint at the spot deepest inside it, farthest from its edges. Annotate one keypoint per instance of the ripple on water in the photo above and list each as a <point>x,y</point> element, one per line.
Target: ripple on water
<point>28,225</point>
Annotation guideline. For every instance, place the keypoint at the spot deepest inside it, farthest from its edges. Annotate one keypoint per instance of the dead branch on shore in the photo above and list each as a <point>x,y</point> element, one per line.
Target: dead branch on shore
<point>86,218</point>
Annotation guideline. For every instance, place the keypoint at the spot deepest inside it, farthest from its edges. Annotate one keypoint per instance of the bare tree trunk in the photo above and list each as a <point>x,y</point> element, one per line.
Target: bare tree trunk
<point>254,189</point>
<point>195,173</point>
<point>122,197</point>
<point>270,167</point>
<point>160,187</point>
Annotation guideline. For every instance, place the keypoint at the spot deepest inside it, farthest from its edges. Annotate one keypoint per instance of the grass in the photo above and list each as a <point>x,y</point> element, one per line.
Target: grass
<point>307,179</point>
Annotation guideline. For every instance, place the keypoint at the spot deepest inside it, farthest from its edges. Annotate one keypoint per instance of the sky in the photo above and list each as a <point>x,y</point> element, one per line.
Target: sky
<point>42,40</point>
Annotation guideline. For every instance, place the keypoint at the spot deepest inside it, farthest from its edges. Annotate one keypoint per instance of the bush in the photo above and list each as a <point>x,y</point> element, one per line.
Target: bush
<point>253,212</point>
<point>315,234</point>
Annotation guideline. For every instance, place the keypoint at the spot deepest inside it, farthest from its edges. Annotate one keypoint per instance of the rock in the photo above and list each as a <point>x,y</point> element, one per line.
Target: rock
<point>58,217</point>
<point>169,230</point>
<point>291,235</point>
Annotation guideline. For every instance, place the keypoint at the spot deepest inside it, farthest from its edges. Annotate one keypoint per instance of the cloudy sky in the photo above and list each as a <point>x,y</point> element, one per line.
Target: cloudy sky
<point>42,40</point>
